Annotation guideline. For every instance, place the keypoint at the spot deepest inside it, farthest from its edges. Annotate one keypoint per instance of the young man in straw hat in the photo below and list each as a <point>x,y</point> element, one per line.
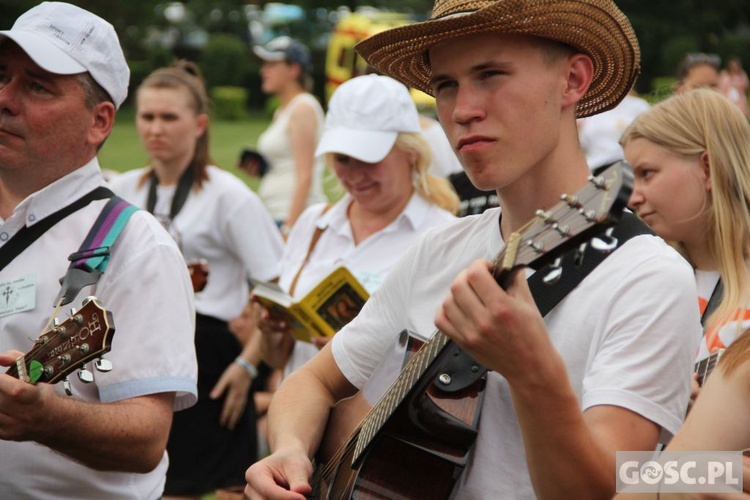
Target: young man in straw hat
<point>603,370</point>
<point>62,77</point>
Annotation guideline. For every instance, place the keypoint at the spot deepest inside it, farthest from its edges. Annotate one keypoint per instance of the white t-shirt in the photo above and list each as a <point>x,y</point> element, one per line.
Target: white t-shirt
<point>627,333</point>
<point>719,337</point>
<point>370,261</point>
<point>225,223</point>
<point>147,289</point>
<point>600,134</point>
<point>277,187</point>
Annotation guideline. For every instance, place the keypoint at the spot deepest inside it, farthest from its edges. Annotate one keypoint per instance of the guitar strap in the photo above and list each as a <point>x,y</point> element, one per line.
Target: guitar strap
<point>576,266</point>
<point>29,234</point>
<point>313,241</point>
<point>713,302</point>
<point>91,259</point>
<point>463,370</point>
<point>180,195</point>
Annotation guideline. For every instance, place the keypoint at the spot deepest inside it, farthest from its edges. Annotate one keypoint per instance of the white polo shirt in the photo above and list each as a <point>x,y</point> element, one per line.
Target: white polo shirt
<point>225,223</point>
<point>146,287</point>
<point>370,261</point>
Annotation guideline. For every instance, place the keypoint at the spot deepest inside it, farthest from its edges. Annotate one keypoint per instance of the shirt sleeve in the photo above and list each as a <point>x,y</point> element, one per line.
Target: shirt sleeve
<point>147,288</point>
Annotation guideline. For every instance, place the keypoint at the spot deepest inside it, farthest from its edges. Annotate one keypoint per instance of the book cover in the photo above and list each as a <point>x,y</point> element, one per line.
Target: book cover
<point>333,303</point>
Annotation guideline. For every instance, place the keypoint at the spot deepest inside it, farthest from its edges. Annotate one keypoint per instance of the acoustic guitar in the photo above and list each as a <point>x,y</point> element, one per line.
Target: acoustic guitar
<point>414,443</point>
<point>66,347</point>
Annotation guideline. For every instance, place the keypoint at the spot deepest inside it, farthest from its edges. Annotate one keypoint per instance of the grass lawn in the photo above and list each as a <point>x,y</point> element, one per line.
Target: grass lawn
<point>123,150</point>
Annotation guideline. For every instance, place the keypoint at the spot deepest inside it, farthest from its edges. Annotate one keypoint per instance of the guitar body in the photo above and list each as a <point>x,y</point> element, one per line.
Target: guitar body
<point>420,451</point>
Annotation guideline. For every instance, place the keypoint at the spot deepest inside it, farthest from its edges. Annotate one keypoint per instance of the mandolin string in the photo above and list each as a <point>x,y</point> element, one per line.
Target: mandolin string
<point>37,346</point>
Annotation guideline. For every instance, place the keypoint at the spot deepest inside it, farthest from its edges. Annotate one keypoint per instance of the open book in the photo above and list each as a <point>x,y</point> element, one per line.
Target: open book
<point>333,303</point>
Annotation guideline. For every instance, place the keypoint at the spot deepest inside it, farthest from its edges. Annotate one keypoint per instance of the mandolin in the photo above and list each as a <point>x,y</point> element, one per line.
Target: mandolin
<point>86,335</point>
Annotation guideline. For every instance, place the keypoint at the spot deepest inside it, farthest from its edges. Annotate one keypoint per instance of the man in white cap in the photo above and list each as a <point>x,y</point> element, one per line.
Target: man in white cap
<point>62,77</point>
<point>601,372</point>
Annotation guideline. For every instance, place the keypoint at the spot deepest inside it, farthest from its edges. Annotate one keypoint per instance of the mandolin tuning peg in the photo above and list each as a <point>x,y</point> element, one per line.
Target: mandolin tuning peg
<point>103,365</point>
<point>553,273</point>
<point>85,376</point>
<point>68,388</point>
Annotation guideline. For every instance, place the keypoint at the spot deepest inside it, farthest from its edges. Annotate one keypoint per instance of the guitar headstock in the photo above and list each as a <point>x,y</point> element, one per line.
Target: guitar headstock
<point>571,222</point>
<point>86,335</point>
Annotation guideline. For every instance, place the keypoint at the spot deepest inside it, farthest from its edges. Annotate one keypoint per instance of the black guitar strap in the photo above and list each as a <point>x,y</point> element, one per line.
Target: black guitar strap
<point>575,267</point>
<point>463,370</point>
<point>713,302</point>
<point>180,195</point>
<point>27,235</point>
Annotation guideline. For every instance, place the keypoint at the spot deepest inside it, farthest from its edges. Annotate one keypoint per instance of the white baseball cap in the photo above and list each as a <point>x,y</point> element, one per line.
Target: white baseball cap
<point>66,40</point>
<point>364,117</point>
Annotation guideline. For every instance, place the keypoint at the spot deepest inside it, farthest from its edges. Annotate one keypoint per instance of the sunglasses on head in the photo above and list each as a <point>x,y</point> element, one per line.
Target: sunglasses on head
<point>701,58</point>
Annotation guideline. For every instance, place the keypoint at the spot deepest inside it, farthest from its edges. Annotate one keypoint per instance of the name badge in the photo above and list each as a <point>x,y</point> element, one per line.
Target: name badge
<point>17,295</point>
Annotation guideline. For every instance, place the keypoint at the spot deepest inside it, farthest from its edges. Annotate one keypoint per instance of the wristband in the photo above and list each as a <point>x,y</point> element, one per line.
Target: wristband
<point>249,368</point>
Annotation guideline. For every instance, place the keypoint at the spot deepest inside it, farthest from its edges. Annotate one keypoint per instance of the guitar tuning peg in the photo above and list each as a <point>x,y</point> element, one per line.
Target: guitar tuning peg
<point>103,365</point>
<point>553,274</point>
<point>68,388</point>
<point>73,311</point>
<point>605,242</point>
<point>56,322</point>
<point>85,376</point>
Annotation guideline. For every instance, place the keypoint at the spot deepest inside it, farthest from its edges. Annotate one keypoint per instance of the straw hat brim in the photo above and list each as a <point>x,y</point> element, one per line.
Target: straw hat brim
<point>595,27</point>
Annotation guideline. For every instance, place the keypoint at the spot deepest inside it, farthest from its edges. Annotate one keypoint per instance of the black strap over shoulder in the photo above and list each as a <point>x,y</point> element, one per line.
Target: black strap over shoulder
<point>576,266</point>
<point>463,370</point>
<point>28,234</point>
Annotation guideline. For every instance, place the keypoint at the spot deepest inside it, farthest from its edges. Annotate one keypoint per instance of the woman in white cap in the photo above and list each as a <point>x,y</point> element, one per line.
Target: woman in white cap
<point>295,178</point>
<point>373,143</point>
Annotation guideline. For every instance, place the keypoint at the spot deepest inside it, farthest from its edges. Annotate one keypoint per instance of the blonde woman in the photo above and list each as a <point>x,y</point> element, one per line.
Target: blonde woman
<point>691,158</point>
<point>373,143</point>
<point>719,421</point>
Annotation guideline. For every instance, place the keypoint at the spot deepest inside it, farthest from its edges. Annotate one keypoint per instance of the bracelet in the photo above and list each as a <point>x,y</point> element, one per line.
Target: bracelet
<point>249,368</point>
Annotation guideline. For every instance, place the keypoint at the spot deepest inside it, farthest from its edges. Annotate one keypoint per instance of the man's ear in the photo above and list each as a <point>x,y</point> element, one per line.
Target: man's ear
<point>103,119</point>
<point>580,72</point>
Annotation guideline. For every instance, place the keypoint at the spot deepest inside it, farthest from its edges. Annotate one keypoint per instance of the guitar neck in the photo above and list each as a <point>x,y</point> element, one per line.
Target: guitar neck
<point>414,370</point>
<point>704,367</point>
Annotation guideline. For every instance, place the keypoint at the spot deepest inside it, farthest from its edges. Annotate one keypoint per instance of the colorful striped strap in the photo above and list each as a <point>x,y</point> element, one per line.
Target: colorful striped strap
<point>90,261</point>
<point>95,249</point>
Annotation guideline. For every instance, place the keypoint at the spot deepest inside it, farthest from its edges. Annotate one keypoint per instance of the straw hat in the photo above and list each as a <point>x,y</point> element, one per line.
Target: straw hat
<point>595,27</point>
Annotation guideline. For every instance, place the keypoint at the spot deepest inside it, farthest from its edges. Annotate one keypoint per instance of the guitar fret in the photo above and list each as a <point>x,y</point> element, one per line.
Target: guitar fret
<point>705,366</point>
<point>411,373</point>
